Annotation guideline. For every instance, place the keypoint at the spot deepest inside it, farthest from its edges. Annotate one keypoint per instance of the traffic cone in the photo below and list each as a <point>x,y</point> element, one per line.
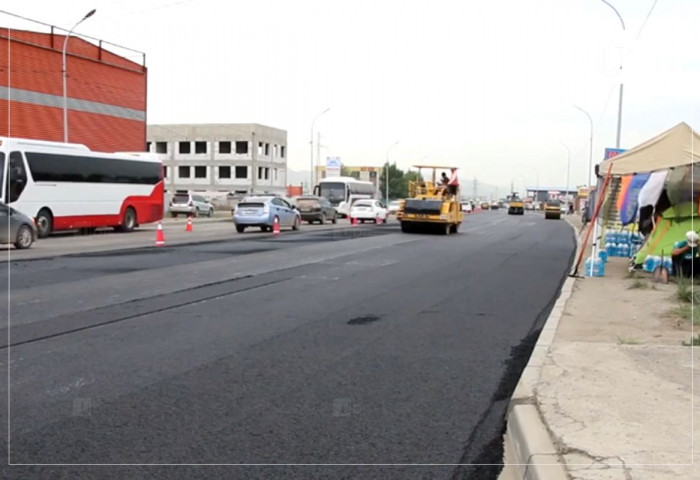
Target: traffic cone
<point>276,227</point>
<point>160,236</point>
<point>353,221</point>
<point>188,228</point>
<point>379,220</point>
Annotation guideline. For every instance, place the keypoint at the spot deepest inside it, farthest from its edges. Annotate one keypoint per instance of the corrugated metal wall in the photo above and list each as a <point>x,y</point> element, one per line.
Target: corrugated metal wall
<point>106,93</point>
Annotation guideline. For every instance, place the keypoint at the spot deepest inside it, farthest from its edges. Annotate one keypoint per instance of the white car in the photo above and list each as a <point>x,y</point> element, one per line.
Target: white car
<point>393,207</point>
<point>467,207</point>
<point>368,211</point>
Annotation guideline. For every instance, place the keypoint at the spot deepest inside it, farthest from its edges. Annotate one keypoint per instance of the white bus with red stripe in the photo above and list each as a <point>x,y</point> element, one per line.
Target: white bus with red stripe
<point>66,186</point>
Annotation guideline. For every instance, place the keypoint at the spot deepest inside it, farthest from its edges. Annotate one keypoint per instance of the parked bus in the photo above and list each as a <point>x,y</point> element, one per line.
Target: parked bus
<point>65,186</point>
<point>341,192</point>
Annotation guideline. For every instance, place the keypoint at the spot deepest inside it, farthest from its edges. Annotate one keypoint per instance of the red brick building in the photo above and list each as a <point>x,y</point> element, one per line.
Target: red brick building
<point>106,92</point>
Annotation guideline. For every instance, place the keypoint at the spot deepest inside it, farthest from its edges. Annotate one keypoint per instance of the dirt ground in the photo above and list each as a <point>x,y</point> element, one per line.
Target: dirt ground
<point>628,310</point>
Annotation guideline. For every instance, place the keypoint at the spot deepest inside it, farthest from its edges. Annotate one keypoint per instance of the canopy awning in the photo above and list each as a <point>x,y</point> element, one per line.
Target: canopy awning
<point>675,147</point>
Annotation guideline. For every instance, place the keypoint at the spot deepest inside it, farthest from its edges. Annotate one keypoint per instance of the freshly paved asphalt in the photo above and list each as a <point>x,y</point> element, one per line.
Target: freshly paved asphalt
<point>356,346</point>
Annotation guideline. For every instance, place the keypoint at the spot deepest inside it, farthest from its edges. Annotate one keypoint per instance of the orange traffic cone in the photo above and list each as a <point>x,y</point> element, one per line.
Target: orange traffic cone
<point>276,227</point>
<point>160,236</point>
<point>188,228</point>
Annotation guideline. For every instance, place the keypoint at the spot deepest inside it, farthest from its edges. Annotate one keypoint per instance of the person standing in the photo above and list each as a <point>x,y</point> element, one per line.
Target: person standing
<point>453,183</point>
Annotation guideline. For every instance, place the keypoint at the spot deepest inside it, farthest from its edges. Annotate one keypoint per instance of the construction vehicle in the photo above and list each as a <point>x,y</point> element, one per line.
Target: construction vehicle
<point>552,210</point>
<point>516,206</point>
<point>429,206</point>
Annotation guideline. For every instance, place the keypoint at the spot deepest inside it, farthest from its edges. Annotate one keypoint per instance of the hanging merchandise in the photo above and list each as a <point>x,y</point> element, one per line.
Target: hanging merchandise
<point>630,203</point>
<point>651,191</point>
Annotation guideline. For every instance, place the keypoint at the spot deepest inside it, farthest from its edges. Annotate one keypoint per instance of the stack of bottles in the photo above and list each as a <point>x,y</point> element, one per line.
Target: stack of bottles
<point>623,243</point>
<point>654,261</point>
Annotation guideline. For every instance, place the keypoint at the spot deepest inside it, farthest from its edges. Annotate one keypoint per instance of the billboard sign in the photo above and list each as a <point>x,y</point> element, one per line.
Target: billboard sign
<point>613,152</point>
<point>332,167</point>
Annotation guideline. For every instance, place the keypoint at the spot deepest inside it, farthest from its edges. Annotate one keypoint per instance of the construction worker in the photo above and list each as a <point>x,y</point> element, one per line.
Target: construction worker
<point>684,255</point>
<point>453,183</point>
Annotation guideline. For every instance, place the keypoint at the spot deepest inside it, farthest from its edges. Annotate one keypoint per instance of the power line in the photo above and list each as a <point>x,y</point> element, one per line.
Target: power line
<point>639,33</point>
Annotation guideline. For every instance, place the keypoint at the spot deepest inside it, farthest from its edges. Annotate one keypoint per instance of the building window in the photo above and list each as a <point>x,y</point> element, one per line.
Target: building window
<point>275,174</point>
<point>200,172</point>
<point>200,147</point>
<point>241,148</point>
<point>165,171</point>
<point>225,172</point>
<point>282,151</point>
<point>267,149</point>
<point>183,172</point>
<point>224,147</point>
<point>161,147</point>
<point>148,146</point>
<point>242,172</point>
<point>184,147</point>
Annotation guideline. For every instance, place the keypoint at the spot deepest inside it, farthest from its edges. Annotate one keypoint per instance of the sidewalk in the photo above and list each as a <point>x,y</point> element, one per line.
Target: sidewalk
<point>607,393</point>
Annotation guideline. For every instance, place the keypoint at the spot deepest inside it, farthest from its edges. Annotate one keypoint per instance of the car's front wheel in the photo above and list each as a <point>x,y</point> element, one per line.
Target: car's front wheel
<point>295,226</point>
<point>25,237</point>
<point>240,228</point>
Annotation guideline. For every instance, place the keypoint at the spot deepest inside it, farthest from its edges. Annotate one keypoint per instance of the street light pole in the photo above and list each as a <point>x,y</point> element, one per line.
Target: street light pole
<point>537,184</point>
<point>64,74</point>
<point>386,175</point>
<point>590,148</point>
<point>619,106</point>
<point>311,148</point>
<point>568,170</point>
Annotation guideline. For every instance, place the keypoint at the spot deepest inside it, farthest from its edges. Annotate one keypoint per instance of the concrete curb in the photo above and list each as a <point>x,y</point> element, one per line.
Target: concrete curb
<point>528,443</point>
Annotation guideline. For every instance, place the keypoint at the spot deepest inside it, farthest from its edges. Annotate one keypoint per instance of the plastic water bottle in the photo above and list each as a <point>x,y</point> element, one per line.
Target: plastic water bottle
<point>668,263</point>
<point>618,249</point>
<point>608,248</point>
<point>649,263</point>
<point>625,250</point>
<point>595,267</point>
<point>603,254</point>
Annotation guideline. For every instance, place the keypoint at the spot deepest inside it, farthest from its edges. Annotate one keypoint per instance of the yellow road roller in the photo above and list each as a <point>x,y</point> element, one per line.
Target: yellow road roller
<point>432,205</point>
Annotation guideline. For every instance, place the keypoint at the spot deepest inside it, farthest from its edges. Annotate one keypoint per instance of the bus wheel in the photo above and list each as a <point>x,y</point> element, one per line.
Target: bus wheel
<point>44,223</point>
<point>129,222</point>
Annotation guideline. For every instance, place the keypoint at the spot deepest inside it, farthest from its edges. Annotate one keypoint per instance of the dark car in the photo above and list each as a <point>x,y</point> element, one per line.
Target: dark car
<point>316,209</point>
<point>16,228</point>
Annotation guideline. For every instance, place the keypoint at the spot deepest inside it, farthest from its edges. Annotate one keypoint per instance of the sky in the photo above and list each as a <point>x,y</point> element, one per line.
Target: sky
<point>490,86</point>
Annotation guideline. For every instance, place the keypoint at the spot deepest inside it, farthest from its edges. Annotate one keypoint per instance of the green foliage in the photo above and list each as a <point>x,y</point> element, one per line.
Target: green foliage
<point>398,182</point>
<point>685,291</point>
<point>694,342</point>
<point>637,283</point>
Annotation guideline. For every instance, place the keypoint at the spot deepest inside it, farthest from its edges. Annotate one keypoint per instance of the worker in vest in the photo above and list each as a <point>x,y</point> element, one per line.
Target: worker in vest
<point>453,183</point>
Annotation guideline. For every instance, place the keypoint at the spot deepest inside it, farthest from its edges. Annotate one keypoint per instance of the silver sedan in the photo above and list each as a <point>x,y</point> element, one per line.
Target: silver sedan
<point>16,228</point>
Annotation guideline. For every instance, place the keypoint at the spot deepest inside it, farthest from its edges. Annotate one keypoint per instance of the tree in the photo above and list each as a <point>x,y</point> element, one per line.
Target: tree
<point>398,183</point>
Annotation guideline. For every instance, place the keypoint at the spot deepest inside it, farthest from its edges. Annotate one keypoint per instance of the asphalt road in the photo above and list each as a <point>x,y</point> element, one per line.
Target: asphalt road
<point>353,346</point>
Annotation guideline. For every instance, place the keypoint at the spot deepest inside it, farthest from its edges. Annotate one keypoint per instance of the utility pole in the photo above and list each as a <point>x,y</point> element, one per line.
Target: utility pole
<point>318,159</point>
